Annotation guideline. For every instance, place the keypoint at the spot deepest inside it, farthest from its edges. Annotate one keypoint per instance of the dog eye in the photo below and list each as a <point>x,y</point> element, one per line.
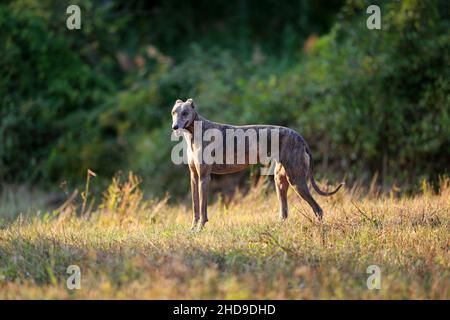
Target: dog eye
<point>184,113</point>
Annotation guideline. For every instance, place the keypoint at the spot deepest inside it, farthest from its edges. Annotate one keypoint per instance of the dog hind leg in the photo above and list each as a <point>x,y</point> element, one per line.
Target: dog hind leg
<point>297,177</point>
<point>281,186</point>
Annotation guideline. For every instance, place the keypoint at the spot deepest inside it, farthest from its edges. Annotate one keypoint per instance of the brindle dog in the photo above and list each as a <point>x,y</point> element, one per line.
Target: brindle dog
<point>293,165</point>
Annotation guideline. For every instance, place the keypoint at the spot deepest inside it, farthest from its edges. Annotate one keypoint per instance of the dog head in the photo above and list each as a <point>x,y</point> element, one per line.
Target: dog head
<point>183,114</point>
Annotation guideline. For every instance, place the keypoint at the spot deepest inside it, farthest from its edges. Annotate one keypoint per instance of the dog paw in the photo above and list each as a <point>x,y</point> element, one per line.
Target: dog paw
<point>201,225</point>
<point>193,227</point>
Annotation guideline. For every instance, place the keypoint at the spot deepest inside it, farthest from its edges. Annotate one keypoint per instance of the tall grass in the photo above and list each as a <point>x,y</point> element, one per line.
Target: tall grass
<point>130,247</point>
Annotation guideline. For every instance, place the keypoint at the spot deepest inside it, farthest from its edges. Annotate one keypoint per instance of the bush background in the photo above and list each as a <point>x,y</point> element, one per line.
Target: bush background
<point>367,101</point>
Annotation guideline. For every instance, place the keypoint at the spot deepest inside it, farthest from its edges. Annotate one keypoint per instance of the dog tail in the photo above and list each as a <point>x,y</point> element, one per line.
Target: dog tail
<point>313,182</point>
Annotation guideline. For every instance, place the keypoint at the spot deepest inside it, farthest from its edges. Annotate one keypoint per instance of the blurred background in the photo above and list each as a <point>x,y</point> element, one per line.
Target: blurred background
<point>371,103</point>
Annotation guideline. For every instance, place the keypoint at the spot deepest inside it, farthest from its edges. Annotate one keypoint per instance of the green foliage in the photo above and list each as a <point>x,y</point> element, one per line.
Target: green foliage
<point>386,93</point>
<point>366,100</point>
<point>46,90</point>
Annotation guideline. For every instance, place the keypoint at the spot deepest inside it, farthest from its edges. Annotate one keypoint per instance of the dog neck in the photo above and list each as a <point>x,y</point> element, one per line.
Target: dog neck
<point>190,127</point>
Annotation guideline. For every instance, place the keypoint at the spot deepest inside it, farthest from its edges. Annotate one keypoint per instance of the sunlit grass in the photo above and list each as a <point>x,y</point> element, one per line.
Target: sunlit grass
<point>133,248</point>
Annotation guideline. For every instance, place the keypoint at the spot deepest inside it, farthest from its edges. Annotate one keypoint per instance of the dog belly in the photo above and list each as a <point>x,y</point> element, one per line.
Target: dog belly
<point>228,168</point>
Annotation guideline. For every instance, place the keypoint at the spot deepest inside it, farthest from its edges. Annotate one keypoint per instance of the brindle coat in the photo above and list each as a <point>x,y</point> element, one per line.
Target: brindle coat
<point>293,166</point>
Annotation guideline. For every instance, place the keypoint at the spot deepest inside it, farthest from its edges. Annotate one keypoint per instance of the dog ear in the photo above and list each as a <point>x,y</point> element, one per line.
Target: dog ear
<point>179,101</point>
<point>191,102</point>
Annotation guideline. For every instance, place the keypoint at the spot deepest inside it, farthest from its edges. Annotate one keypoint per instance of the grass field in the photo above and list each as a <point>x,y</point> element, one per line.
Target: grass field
<point>132,248</point>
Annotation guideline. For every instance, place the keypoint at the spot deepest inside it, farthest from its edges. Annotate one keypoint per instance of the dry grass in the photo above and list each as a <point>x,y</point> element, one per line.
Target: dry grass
<point>132,248</point>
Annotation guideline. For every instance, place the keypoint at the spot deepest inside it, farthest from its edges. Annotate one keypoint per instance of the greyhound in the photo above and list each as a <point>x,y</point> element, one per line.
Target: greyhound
<point>293,164</point>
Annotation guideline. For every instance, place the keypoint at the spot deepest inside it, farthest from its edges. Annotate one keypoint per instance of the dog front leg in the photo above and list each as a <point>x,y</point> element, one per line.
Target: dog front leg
<point>203,196</point>
<point>195,200</point>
